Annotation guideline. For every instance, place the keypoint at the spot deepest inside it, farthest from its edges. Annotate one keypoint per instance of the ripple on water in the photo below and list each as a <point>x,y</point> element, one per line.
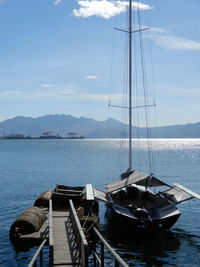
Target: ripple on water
<point>29,168</point>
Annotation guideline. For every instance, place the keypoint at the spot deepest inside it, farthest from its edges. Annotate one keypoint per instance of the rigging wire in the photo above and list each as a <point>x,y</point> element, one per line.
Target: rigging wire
<point>123,142</point>
<point>123,84</point>
<point>137,98</point>
<point>154,159</point>
<point>124,103</point>
<point>145,92</point>
<point>109,99</point>
<point>114,81</point>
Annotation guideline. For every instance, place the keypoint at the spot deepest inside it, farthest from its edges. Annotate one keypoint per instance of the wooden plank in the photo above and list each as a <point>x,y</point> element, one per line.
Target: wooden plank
<point>62,213</point>
<point>89,192</point>
<point>61,252</point>
<point>100,195</point>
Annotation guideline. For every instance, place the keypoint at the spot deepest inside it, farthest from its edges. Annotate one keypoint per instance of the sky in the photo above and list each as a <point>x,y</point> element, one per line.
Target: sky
<point>64,57</point>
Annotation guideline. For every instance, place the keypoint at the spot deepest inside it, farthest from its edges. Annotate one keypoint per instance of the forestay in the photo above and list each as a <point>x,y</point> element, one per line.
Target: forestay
<point>137,178</point>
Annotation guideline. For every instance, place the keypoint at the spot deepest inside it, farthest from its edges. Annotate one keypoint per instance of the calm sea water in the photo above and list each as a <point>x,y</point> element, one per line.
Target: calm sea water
<point>30,167</point>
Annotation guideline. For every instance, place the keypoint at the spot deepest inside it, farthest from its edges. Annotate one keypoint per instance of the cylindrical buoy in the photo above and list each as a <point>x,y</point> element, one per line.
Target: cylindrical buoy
<point>43,199</point>
<point>28,222</point>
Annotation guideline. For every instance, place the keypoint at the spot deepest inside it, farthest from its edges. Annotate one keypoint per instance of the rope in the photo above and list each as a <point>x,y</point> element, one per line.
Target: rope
<point>88,214</point>
<point>103,209</point>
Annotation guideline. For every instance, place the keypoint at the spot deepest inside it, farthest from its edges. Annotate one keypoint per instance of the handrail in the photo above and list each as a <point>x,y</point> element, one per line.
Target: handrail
<point>118,259</point>
<point>37,253</point>
<point>39,250</point>
<point>51,243</point>
<point>81,242</point>
<point>79,234</point>
<point>50,223</point>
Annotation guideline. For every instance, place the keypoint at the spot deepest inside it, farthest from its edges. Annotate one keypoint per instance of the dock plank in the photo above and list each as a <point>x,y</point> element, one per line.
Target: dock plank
<point>61,252</point>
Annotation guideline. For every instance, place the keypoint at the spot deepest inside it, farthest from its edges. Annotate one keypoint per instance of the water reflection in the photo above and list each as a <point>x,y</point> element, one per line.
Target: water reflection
<point>192,239</point>
<point>152,248</point>
<point>158,144</point>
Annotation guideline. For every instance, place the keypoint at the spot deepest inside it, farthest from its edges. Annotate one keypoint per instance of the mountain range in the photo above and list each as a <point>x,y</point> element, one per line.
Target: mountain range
<point>90,128</point>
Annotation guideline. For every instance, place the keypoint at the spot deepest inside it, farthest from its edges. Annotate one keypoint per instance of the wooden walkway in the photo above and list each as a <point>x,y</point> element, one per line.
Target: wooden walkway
<point>68,245</point>
<point>62,254</point>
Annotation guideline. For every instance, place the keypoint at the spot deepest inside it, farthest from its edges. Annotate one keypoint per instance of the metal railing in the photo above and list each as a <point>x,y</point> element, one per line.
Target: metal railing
<point>99,258</point>
<point>80,239</point>
<point>80,242</point>
<point>51,243</point>
<point>37,254</point>
<point>39,251</point>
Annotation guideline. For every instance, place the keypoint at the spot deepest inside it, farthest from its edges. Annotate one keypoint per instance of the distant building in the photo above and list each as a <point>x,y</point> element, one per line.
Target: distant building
<point>49,135</point>
<point>14,136</point>
<point>72,135</point>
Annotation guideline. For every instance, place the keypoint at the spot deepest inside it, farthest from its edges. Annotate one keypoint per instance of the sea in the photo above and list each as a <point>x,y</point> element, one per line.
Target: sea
<point>30,167</point>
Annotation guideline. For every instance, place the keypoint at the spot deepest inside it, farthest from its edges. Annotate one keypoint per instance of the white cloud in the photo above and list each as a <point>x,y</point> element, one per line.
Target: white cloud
<point>62,93</point>
<point>91,77</point>
<point>156,30</point>
<point>56,2</point>
<point>104,8</point>
<point>138,5</point>
<point>45,85</point>
<point>92,96</point>
<point>191,91</point>
<point>12,92</point>
<point>174,42</point>
<point>57,92</point>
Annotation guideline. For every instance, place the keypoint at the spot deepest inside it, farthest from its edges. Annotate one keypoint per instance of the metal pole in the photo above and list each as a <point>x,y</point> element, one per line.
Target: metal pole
<point>94,258</point>
<point>110,249</point>
<point>41,258</point>
<point>33,261</point>
<point>102,254</point>
<point>116,263</point>
<point>130,84</point>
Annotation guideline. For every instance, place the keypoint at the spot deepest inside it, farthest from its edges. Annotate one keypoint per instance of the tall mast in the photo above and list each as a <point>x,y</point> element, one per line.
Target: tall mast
<point>130,84</point>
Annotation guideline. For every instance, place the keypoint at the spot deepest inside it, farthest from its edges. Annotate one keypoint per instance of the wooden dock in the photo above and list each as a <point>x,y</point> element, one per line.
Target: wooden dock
<point>67,242</point>
<point>66,238</point>
<point>61,252</point>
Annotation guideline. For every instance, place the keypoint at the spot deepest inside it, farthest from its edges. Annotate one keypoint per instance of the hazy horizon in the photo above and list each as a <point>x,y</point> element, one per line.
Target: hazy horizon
<point>35,117</point>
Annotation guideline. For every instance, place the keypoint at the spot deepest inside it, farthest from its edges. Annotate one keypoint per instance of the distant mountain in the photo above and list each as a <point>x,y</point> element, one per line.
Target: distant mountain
<point>90,128</point>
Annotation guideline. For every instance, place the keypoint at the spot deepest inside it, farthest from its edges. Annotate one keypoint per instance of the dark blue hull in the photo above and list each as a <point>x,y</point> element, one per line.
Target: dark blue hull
<point>119,221</point>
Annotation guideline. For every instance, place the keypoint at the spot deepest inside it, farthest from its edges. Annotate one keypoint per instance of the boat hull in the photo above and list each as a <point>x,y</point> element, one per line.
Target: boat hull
<point>116,220</point>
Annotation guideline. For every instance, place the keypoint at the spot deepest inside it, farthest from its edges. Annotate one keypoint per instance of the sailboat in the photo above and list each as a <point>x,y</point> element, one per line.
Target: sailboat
<point>131,200</point>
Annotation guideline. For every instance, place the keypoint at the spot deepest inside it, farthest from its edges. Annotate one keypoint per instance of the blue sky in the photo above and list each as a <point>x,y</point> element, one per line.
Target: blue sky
<point>63,57</point>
